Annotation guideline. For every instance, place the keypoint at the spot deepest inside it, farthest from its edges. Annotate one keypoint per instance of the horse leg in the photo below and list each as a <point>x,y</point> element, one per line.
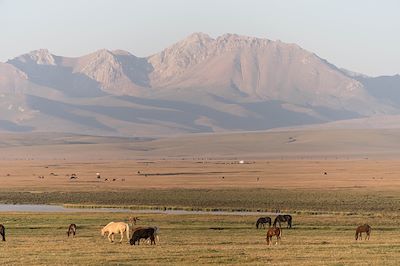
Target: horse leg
<point>122,236</point>
<point>110,238</point>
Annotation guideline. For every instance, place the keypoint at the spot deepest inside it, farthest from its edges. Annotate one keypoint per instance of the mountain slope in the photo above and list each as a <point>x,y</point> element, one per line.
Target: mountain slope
<point>260,69</point>
<point>200,84</point>
<point>385,88</point>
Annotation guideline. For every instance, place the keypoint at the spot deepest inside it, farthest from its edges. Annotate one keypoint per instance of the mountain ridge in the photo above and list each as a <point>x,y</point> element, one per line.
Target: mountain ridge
<point>199,84</point>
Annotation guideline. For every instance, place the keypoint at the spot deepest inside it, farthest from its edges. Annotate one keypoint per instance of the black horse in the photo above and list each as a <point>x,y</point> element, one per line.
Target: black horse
<point>283,218</point>
<point>262,221</point>
<point>3,232</point>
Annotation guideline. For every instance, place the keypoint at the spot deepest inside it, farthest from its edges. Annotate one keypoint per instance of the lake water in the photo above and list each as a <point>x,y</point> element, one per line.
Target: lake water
<point>59,208</point>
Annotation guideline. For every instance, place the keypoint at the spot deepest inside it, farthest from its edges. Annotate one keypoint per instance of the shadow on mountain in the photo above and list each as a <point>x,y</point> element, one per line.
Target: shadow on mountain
<point>183,115</point>
<point>334,114</point>
<point>61,78</point>
<point>384,88</point>
<point>269,114</point>
<point>64,111</point>
<point>135,68</point>
<point>13,127</point>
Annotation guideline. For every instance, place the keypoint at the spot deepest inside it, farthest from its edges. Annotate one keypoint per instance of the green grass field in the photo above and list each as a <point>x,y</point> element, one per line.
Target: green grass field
<point>187,239</point>
<point>289,200</point>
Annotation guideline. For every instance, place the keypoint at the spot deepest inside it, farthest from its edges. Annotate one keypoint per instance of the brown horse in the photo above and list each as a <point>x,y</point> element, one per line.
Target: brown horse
<point>3,232</point>
<point>71,230</point>
<point>133,220</point>
<point>365,228</point>
<point>274,231</point>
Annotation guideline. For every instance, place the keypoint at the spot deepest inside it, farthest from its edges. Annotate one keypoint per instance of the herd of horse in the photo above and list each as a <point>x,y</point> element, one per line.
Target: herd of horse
<point>281,218</point>
<point>150,234</point>
<point>276,230</point>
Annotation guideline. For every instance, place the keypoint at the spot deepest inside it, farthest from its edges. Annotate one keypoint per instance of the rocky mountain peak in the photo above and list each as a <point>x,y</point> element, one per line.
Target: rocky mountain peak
<point>102,66</point>
<point>40,57</point>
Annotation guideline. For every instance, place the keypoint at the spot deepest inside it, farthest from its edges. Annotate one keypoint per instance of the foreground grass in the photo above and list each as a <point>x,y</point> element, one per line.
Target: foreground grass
<point>289,200</point>
<point>186,239</point>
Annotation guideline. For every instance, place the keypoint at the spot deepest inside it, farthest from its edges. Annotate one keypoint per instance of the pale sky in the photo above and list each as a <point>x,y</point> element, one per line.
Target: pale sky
<point>359,35</point>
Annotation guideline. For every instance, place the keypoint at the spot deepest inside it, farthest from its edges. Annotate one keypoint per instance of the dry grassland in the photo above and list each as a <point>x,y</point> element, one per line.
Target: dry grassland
<point>326,209</point>
<point>187,239</point>
<point>200,174</point>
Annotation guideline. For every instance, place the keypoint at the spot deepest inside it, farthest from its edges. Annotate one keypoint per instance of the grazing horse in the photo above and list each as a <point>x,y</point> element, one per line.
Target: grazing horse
<point>133,220</point>
<point>3,232</point>
<point>71,230</point>
<point>283,218</point>
<point>116,228</point>
<point>145,233</point>
<point>274,231</point>
<point>365,228</point>
<point>262,221</point>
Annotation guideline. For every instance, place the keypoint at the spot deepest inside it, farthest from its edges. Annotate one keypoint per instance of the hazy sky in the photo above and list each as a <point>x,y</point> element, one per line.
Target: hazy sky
<point>360,35</point>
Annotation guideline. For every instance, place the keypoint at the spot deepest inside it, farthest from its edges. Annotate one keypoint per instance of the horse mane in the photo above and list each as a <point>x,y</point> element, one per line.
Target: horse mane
<point>109,224</point>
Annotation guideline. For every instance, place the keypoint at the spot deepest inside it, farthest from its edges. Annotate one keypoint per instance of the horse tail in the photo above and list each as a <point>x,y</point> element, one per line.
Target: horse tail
<point>356,235</point>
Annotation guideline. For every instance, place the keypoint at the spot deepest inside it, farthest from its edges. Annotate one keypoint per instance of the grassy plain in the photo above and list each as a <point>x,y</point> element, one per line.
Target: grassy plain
<point>39,238</point>
<point>289,185</point>
<point>326,209</point>
<point>283,170</point>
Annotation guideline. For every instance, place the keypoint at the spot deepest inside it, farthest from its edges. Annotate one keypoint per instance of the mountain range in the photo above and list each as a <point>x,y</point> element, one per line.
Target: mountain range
<point>199,84</point>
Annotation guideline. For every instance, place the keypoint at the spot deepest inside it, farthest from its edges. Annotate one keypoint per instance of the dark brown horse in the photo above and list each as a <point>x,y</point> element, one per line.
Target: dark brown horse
<point>365,228</point>
<point>274,231</point>
<point>262,221</point>
<point>71,230</point>
<point>283,218</point>
<point>3,232</point>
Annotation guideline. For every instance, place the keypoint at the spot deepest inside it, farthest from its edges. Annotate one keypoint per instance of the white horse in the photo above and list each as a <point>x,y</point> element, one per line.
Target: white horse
<point>116,228</point>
